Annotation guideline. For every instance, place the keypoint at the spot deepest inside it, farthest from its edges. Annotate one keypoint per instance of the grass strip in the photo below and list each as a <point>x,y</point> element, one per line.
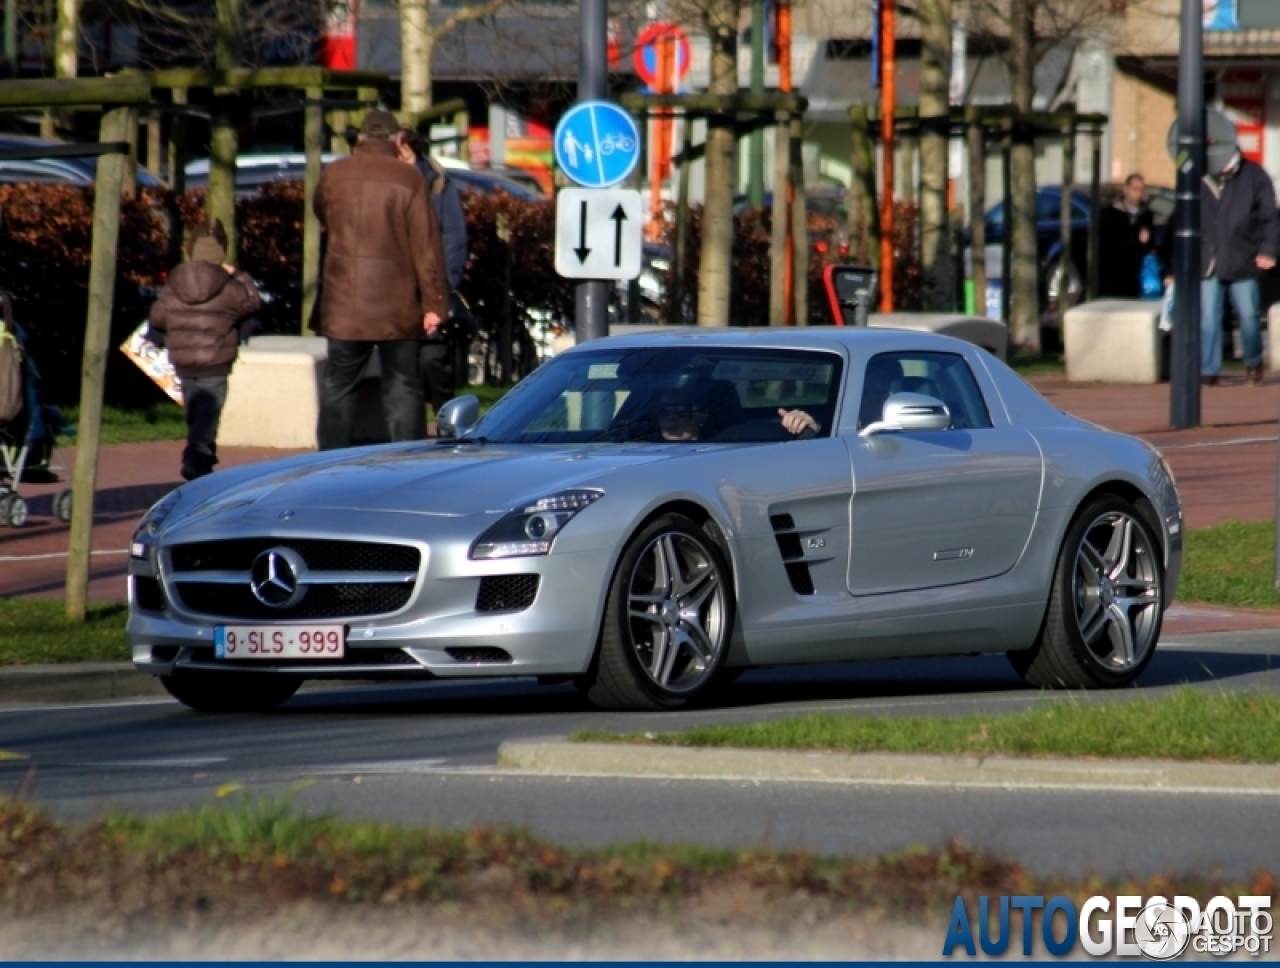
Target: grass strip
<point>38,630</point>
<point>1189,724</point>
<point>218,862</point>
<point>1231,564</point>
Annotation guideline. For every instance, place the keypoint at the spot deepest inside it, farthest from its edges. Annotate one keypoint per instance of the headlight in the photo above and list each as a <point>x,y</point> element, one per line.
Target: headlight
<point>531,530</point>
<point>144,536</point>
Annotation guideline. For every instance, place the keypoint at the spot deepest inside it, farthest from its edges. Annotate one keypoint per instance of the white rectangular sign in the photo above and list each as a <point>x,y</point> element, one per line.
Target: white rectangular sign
<point>599,233</point>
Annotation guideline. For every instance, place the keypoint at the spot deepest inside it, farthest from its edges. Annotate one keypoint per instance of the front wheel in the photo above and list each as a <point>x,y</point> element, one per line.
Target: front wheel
<point>1106,603</point>
<point>667,622</point>
<point>220,692</point>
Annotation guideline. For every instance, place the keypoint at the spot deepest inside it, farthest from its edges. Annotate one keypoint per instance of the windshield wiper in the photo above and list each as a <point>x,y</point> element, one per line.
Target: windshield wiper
<point>454,441</point>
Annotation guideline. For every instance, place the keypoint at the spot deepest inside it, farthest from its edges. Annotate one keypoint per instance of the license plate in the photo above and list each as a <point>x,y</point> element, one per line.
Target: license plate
<point>279,641</point>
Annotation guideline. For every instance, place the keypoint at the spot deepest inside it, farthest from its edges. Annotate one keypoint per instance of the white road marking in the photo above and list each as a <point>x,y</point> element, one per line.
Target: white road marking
<point>65,707</point>
<point>61,554</point>
<point>159,762</point>
<point>381,767</point>
<point>1235,441</point>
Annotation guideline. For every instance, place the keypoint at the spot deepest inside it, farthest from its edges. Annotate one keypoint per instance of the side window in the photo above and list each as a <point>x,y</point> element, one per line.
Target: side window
<point>944,376</point>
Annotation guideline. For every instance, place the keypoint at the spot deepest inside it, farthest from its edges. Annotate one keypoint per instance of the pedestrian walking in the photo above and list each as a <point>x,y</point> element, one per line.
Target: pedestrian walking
<point>1240,239</point>
<point>383,283</point>
<point>1126,230</point>
<point>436,357</point>
<point>198,319</point>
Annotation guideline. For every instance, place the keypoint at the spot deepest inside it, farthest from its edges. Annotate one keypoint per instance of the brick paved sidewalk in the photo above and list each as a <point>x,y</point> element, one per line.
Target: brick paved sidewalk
<point>1226,471</point>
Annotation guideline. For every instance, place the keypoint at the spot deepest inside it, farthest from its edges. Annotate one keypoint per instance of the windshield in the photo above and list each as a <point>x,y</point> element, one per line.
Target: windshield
<point>682,394</point>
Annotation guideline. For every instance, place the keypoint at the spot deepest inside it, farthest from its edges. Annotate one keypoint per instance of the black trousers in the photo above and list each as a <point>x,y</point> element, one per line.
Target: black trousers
<point>402,398</point>
<point>436,360</point>
<point>202,399</point>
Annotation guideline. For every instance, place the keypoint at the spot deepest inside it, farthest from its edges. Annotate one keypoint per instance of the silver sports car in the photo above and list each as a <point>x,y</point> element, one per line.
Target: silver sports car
<point>647,515</point>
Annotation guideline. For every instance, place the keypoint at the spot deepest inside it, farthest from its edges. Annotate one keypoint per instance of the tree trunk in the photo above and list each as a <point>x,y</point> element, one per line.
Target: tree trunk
<point>1024,291</point>
<point>227,42</point>
<point>716,267</point>
<point>935,108</point>
<point>66,44</point>
<point>415,61</point>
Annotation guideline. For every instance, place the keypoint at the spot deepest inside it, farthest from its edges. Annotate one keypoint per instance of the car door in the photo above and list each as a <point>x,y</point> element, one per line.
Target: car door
<point>942,507</point>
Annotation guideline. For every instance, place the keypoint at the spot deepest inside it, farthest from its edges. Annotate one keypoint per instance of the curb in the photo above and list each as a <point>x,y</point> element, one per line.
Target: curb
<point>703,763</point>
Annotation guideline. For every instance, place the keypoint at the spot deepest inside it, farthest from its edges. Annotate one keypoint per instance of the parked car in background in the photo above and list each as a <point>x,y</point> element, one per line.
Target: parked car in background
<point>80,172</point>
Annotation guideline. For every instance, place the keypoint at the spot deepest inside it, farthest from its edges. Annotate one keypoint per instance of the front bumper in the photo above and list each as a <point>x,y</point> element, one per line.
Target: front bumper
<point>440,632</point>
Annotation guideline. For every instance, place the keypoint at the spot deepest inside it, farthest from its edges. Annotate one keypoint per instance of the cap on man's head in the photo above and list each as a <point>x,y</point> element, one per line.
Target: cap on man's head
<point>379,124</point>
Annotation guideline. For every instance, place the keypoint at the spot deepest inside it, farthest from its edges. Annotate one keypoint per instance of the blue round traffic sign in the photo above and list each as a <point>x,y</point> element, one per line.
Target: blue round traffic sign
<point>597,144</point>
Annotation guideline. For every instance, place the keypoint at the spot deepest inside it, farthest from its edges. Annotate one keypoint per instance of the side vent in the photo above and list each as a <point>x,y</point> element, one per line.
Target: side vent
<point>792,551</point>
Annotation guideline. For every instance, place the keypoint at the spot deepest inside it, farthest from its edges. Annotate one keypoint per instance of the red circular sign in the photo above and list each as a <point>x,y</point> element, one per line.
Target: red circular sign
<point>646,55</point>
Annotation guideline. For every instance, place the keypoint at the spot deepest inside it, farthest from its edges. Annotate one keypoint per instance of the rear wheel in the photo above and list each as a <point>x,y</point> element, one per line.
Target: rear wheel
<point>62,506</point>
<point>668,620</point>
<point>217,692</point>
<point>1106,604</point>
<point>13,509</point>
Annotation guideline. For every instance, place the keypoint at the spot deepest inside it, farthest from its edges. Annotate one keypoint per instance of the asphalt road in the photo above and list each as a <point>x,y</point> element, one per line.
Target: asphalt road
<point>425,754</point>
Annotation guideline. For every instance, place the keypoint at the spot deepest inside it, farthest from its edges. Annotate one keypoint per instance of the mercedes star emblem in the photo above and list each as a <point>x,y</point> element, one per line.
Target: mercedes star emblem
<point>274,578</point>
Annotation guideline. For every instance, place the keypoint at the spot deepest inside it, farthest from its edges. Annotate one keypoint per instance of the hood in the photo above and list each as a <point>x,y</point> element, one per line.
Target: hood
<point>198,282</point>
<point>434,173</point>
<point>424,478</point>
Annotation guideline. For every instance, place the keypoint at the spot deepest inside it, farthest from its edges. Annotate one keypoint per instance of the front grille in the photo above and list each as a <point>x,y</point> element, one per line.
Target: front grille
<point>148,595</point>
<point>506,593</point>
<point>353,657</point>
<point>319,602</point>
<point>479,654</point>
<point>320,554</point>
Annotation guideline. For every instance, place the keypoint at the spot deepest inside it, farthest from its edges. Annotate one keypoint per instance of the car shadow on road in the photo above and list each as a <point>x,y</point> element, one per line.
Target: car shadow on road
<point>965,681</point>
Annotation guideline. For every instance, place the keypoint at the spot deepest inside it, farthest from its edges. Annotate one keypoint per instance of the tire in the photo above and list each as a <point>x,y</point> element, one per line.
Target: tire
<point>5,501</point>
<point>1106,603</point>
<point>664,640</point>
<point>216,692</point>
<point>1075,284</point>
<point>62,506</point>
<point>15,511</point>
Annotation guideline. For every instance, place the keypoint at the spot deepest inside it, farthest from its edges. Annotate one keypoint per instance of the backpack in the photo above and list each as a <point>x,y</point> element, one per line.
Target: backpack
<point>10,367</point>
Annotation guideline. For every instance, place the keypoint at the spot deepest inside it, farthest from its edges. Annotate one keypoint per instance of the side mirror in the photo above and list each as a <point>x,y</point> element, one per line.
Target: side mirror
<point>458,416</point>
<point>910,411</point>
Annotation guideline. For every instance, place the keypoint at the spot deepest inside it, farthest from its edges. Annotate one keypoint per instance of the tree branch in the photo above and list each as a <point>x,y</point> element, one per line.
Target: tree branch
<point>468,14</point>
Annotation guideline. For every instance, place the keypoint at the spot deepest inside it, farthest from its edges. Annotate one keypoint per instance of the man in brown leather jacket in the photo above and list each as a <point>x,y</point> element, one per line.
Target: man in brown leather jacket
<point>383,283</point>
<point>200,311</point>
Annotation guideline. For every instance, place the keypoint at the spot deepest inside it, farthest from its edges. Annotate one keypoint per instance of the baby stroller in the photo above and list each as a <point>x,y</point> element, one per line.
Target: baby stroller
<point>28,428</point>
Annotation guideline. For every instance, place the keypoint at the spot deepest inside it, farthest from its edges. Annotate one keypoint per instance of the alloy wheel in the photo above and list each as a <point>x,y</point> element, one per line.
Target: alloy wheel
<point>676,610</point>
<point>1117,590</point>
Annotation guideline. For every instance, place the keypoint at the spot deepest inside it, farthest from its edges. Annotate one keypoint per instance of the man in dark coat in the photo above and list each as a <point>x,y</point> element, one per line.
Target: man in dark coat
<point>383,284</point>
<point>199,313</point>
<point>1240,239</point>
<point>1125,231</point>
<point>436,357</point>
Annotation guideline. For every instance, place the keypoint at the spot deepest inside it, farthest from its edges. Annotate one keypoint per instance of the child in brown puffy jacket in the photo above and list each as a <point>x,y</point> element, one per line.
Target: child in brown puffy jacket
<point>199,312</point>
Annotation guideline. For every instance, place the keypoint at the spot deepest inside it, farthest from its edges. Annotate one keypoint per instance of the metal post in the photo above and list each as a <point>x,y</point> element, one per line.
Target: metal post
<point>676,314</point>
<point>1095,211</point>
<point>1006,235</point>
<point>1065,261</point>
<point>755,156</point>
<point>102,282</point>
<point>888,107</point>
<point>591,298</point>
<point>1184,403</point>
<point>313,142</point>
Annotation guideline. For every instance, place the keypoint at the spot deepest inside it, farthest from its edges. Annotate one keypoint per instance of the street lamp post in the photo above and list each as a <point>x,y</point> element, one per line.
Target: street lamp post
<point>1184,404</point>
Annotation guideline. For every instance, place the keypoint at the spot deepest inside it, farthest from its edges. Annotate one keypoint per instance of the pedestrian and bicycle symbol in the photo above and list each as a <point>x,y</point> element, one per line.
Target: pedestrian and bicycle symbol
<point>597,144</point>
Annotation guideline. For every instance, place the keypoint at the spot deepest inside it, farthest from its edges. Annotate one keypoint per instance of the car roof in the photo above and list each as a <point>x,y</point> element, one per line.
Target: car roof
<point>863,339</point>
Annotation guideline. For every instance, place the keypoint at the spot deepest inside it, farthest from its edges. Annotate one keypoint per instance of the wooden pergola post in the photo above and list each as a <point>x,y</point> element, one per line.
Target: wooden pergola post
<point>682,222</point>
<point>780,225</point>
<point>224,144</point>
<point>1065,262</point>
<point>313,140</point>
<point>977,138</point>
<point>863,208</point>
<point>799,228</point>
<point>97,337</point>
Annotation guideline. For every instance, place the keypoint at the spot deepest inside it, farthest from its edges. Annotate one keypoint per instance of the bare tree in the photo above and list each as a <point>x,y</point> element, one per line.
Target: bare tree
<point>419,35</point>
<point>935,109</point>
<point>1025,33</point>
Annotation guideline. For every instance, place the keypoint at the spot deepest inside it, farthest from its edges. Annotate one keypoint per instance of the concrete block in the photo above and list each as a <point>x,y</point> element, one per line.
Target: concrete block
<point>273,396</point>
<point>1115,341</point>
<point>991,335</point>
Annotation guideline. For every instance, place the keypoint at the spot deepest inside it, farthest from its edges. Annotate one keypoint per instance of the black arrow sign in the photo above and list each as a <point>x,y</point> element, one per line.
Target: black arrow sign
<point>618,216</point>
<point>582,250</point>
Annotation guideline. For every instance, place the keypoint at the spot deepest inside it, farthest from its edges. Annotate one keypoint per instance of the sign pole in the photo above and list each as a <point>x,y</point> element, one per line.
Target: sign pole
<point>591,297</point>
<point>1189,162</point>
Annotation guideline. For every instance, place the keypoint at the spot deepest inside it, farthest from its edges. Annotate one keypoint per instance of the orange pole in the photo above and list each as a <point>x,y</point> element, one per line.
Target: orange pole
<point>888,105</point>
<point>660,167</point>
<point>783,34</point>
